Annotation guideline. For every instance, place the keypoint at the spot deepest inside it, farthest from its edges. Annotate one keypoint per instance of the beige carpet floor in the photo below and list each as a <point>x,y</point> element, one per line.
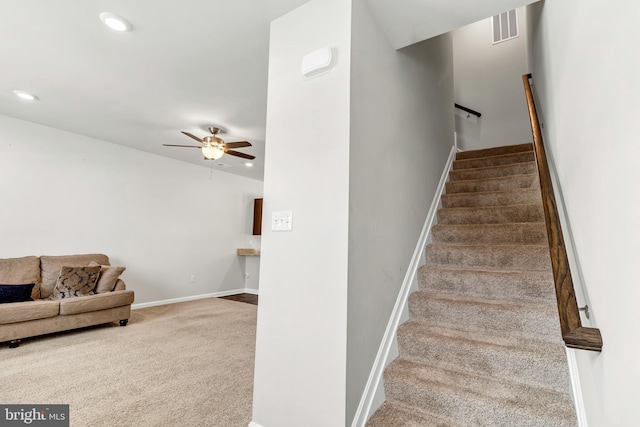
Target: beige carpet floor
<point>186,364</point>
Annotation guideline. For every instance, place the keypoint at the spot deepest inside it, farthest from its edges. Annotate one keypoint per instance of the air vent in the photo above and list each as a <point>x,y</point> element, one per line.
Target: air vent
<point>505,26</point>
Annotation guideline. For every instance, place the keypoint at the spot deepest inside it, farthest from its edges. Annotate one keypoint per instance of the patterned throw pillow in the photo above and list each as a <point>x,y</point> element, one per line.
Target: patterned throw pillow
<point>75,282</point>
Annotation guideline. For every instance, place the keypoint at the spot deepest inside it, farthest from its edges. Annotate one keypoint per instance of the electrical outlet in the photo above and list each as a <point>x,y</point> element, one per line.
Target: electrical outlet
<point>193,278</point>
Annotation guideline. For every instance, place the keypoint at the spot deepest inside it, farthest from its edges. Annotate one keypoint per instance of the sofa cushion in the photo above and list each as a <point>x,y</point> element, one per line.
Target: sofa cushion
<point>28,310</point>
<point>51,265</point>
<point>75,282</point>
<point>108,277</point>
<point>15,293</point>
<point>95,302</point>
<point>17,271</point>
<point>120,286</point>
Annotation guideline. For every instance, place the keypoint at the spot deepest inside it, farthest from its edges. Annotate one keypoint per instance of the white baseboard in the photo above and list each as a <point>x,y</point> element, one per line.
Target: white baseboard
<point>195,297</point>
<point>375,376</point>
<point>254,424</point>
<point>576,389</point>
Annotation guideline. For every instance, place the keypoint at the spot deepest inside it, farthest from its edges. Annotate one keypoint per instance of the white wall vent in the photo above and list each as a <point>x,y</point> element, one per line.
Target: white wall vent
<point>505,26</point>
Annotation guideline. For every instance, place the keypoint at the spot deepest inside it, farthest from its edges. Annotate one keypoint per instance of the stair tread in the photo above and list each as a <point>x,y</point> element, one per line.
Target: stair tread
<point>481,171</point>
<point>485,270</point>
<point>502,159</point>
<point>496,247</point>
<point>493,168</point>
<point>480,338</point>
<point>493,214</point>
<point>489,208</point>
<point>490,233</point>
<point>499,183</point>
<point>499,246</point>
<point>517,400</point>
<point>490,256</point>
<point>504,304</point>
<point>515,166</point>
<point>494,192</point>
<point>509,358</point>
<point>491,198</point>
<point>493,178</point>
<point>515,148</point>
<point>398,415</point>
<point>509,285</point>
<point>518,319</point>
<point>483,225</point>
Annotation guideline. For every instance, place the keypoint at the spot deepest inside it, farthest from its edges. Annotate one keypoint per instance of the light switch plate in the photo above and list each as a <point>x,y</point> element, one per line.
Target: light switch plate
<point>282,221</point>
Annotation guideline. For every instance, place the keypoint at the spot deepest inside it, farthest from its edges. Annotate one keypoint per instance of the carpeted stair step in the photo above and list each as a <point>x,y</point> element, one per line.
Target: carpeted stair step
<point>493,257</point>
<point>475,400</point>
<point>493,172</point>
<point>491,214</point>
<point>486,355</point>
<point>529,233</point>
<point>494,151</point>
<point>524,286</point>
<point>526,321</point>
<point>486,162</point>
<point>493,184</point>
<point>398,415</point>
<point>518,196</point>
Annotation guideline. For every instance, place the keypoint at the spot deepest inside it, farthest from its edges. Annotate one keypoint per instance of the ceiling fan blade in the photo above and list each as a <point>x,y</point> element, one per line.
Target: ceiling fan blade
<point>189,146</point>
<point>190,135</point>
<point>239,154</point>
<point>238,144</point>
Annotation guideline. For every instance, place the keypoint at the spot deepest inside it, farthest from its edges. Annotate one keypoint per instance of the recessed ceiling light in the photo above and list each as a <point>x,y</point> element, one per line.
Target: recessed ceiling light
<point>115,22</point>
<point>249,164</point>
<point>25,95</point>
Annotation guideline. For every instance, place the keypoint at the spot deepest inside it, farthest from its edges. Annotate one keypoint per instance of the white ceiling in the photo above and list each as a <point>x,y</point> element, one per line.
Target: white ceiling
<point>186,65</point>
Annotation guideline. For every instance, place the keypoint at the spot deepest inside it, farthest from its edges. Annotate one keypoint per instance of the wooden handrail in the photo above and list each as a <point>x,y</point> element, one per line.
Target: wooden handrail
<point>468,110</point>
<point>573,333</point>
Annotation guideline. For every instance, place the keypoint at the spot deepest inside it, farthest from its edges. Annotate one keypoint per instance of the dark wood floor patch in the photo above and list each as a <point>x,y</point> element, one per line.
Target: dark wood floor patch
<point>248,298</point>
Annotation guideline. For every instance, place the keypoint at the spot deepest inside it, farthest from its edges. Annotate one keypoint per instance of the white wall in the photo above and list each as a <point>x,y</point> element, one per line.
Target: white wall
<point>64,193</point>
<point>401,134</point>
<point>301,336</point>
<point>585,63</point>
<point>488,79</point>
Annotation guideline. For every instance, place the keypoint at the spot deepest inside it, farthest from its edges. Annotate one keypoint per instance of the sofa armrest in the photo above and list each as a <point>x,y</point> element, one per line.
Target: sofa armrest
<point>120,286</point>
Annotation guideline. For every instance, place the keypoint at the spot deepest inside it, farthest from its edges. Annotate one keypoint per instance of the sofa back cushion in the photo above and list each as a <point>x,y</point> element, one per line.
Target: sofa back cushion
<point>20,271</point>
<point>51,265</point>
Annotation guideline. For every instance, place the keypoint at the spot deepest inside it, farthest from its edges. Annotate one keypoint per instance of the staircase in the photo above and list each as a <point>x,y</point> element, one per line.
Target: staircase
<point>482,346</point>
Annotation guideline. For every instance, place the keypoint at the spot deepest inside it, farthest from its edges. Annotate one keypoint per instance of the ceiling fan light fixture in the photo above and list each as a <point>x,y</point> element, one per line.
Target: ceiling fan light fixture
<point>212,152</point>
<point>115,22</point>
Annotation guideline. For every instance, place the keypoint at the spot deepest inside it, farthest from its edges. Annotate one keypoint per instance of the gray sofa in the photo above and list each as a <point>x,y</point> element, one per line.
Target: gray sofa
<point>45,314</point>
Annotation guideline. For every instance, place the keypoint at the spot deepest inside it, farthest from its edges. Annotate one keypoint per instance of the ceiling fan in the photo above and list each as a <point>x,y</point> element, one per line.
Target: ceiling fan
<point>215,147</point>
